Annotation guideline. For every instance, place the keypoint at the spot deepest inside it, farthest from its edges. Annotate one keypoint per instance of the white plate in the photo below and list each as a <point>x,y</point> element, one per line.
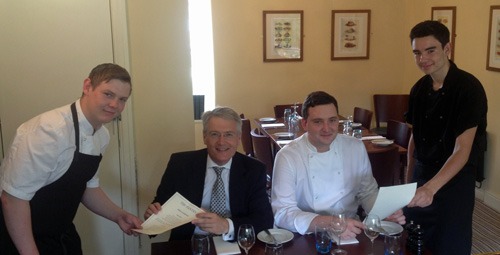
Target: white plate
<point>284,135</point>
<point>267,120</point>
<point>281,235</point>
<point>355,124</point>
<point>391,228</point>
<point>382,142</point>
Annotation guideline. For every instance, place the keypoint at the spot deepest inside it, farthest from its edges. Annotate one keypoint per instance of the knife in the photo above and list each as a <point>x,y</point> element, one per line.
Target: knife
<point>272,237</point>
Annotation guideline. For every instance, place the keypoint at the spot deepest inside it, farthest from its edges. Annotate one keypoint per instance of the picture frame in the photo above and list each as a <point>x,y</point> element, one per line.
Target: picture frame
<point>447,16</point>
<point>350,38</point>
<point>493,55</point>
<point>283,35</point>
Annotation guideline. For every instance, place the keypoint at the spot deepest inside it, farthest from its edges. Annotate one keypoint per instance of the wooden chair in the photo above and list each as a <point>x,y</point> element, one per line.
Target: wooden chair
<point>385,166</point>
<point>400,132</point>
<point>387,107</point>
<point>263,152</point>
<point>279,109</point>
<point>246,137</point>
<point>363,116</point>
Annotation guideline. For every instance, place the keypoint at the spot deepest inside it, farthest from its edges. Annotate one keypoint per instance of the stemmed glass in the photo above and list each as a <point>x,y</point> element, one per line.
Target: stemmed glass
<point>372,227</point>
<point>338,226</point>
<point>246,237</point>
<point>294,119</point>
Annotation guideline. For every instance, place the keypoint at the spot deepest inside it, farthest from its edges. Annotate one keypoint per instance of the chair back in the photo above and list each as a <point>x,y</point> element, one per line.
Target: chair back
<point>399,132</point>
<point>390,107</point>
<point>279,109</point>
<point>386,166</point>
<point>246,137</point>
<point>262,150</point>
<point>363,116</point>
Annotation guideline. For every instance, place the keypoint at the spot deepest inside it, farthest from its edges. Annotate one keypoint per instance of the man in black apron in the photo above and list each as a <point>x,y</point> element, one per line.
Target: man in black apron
<point>40,220</point>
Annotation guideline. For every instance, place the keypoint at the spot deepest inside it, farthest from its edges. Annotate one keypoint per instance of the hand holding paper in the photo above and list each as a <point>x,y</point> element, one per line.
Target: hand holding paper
<point>175,212</point>
<point>393,198</point>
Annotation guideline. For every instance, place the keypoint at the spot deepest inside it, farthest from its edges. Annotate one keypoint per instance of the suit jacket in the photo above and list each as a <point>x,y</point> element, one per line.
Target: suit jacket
<point>249,202</point>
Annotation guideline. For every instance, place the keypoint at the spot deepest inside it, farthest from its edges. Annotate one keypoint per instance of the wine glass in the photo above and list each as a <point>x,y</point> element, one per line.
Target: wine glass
<point>338,226</point>
<point>372,227</point>
<point>246,237</point>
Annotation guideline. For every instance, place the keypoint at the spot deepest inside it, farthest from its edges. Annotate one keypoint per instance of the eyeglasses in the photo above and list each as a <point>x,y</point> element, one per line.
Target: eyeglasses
<point>217,135</point>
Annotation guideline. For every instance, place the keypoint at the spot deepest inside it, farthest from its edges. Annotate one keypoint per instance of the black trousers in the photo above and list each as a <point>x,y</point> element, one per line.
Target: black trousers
<point>68,243</point>
<point>447,222</point>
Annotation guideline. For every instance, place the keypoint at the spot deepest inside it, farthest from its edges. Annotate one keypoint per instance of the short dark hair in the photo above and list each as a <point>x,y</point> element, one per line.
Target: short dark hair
<point>318,98</point>
<point>431,27</point>
<point>108,71</point>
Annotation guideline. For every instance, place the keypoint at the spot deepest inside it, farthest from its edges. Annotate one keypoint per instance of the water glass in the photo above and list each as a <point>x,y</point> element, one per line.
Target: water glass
<point>322,236</point>
<point>348,126</point>
<point>274,249</point>
<point>286,116</point>
<point>200,244</point>
<point>392,244</point>
<point>357,133</point>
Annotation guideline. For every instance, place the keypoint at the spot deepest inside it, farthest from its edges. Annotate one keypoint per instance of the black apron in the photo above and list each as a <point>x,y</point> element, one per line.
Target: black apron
<point>54,206</point>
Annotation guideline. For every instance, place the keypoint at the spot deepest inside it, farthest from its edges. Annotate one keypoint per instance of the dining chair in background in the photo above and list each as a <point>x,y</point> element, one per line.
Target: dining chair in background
<point>389,107</point>
<point>246,137</point>
<point>263,152</point>
<point>385,166</point>
<point>279,109</point>
<point>363,116</point>
<point>400,132</point>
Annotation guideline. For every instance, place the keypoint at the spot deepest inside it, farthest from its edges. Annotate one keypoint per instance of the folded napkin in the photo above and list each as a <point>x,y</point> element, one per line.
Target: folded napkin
<point>273,125</point>
<point>283,142</point>
<point>372,137</point>
<point>225,248</point>
<point>346,241</point>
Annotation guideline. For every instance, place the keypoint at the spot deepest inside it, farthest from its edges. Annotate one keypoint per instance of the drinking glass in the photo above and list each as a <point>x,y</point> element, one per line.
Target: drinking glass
<point>338,226</point>
<point>200,244</point>
<point>392,244</point>
<point>357,133</point>
<point>372,227</point>
<point>246,237</point>
<point>286,116</point>
<point>274,249</point>
<point>348,125</point>
<point>294,120</point>
<point>322,236</point>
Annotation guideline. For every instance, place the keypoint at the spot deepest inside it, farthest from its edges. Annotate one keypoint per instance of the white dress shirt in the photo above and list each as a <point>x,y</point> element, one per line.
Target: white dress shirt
<point>210,178</point>
<point>42,151</point>
<point>307,183</point>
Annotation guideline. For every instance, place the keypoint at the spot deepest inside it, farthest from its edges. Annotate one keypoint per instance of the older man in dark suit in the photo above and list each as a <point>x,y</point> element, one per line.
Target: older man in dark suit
<point>228,185</point>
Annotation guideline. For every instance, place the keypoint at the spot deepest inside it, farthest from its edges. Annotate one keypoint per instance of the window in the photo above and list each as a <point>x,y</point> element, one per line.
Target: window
<point>202,51</point>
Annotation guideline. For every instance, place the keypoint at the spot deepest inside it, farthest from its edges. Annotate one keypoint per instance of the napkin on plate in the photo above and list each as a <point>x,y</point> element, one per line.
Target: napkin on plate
<point>346,241</point>
<point>372,137</point>
<point>225,248</point>
<point>273,125</point>
<point>283,142</point>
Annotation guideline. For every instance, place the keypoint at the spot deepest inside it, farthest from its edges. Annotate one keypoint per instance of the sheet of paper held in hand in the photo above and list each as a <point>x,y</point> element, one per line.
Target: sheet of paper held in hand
<point>175,212</point>
<point>393,198</point>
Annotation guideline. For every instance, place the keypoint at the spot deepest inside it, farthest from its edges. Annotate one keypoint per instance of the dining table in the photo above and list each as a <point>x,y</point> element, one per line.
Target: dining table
<point>299,245</point>
<point>274,128</point>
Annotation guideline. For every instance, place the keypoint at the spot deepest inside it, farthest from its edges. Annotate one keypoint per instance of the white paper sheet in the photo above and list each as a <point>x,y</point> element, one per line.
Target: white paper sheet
<point>175,212</point>
<point>225,248</point>
<point>271,125</point>
<point>393,198</point>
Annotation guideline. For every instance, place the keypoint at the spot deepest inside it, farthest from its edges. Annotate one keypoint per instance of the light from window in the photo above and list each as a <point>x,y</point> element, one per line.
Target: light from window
<point>202,50</point>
